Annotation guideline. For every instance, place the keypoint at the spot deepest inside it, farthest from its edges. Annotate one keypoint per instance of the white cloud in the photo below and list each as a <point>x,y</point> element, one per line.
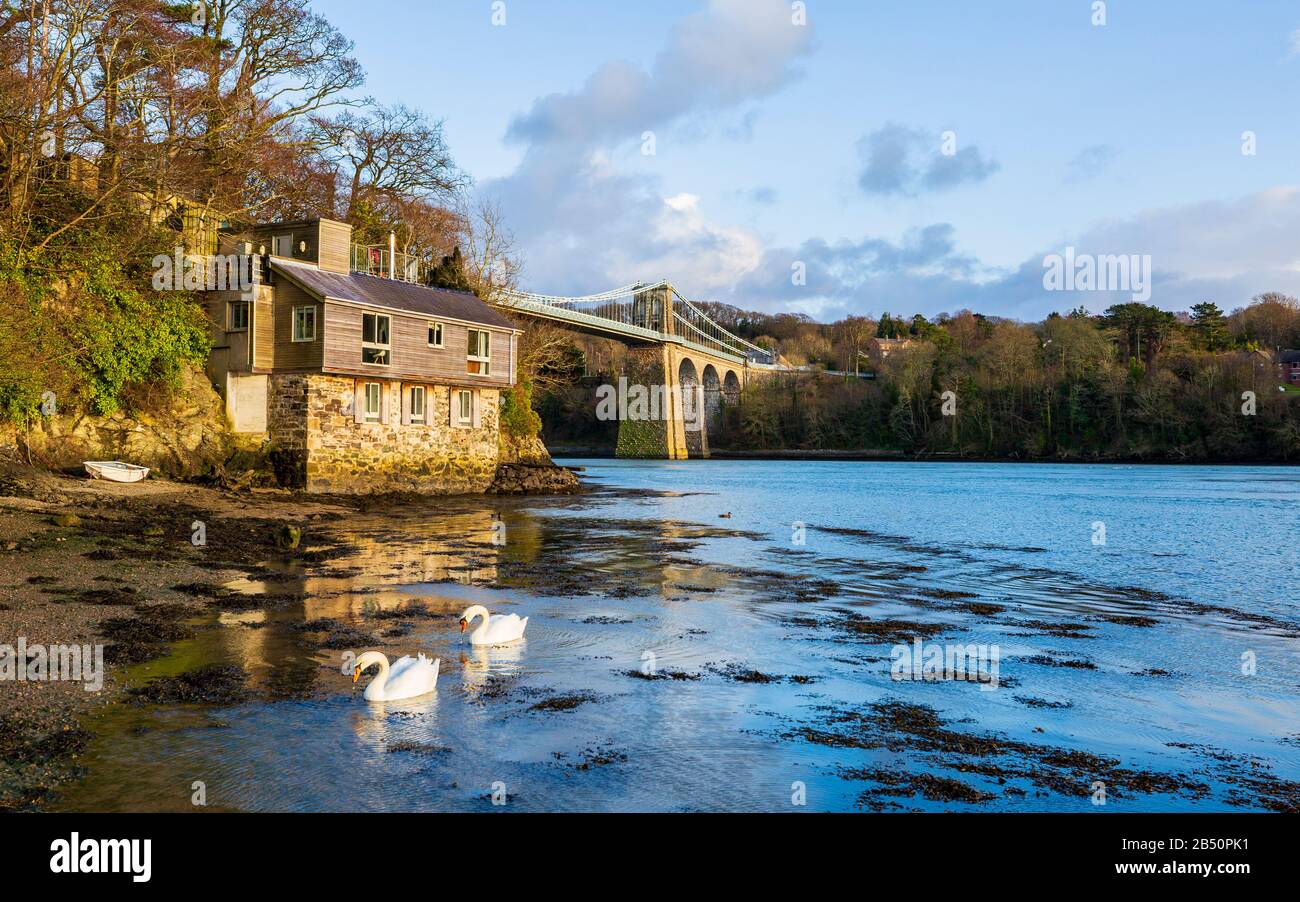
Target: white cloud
<point>582,224</point>
<point>1225,251</point>
<point>730,52</point>
<point>586,225</point>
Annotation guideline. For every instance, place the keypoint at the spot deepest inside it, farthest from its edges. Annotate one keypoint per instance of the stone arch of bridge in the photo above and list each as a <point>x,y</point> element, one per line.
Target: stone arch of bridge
<point>694,418</point>
<point>712,397</point>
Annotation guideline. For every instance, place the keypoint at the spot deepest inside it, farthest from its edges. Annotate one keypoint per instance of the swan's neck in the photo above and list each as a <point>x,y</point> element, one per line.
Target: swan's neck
<point>381,679</point>
<point>480,632</point>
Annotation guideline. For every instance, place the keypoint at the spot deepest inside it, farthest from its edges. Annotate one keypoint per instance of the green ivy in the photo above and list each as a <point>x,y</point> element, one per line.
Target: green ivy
<point>517,415</point>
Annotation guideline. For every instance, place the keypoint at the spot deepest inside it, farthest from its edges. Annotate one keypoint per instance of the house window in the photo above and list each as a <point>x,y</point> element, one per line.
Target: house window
<point>376,338</point>
<point>374,402</point>
<point>480,353</point>
<point>282,246</point>
<point>237,316</point>
<point>464,408</point>
<point>435,335</point>
<point>304,323</point>
<point>417,404</point>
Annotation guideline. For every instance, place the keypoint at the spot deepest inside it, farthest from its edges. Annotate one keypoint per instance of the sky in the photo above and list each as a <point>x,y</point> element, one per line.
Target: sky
<point>839,157</point>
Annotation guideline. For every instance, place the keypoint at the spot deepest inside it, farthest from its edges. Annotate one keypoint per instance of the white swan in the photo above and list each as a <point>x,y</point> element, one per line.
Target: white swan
<point>407,678</point>
<point>496,629</point>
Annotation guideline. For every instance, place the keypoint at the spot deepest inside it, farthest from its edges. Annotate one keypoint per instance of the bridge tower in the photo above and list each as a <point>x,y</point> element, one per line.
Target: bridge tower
<point>652,308</point>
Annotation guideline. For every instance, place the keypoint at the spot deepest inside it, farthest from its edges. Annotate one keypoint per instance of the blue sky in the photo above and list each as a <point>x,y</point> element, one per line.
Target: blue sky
<point>821,144</point>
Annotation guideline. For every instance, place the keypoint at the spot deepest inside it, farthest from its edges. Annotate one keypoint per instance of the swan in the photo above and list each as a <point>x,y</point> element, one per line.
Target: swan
<point>496,629</point>
<point>407,678</point>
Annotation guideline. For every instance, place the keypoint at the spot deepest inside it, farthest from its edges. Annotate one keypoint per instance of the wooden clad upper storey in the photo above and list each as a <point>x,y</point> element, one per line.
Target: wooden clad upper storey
<point>321,242</point>
<point>362,325</point>
<point>311,313</point>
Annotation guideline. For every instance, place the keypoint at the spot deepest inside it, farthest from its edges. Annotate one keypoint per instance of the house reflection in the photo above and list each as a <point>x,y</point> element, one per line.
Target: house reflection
<point>384,560</point>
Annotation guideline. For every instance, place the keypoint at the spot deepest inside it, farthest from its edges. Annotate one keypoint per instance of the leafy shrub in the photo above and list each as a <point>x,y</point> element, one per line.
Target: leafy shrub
<point>517,415</point>
<point>90,330</point>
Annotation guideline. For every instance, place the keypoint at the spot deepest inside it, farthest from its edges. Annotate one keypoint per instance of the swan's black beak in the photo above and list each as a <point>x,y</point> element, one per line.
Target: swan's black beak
<point>463,624</point>
<point>356,674</point>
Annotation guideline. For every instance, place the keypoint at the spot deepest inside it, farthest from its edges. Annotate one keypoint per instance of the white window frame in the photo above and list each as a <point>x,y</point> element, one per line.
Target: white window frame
<point>442,335</point>
<point>277,245</point>
<point>377,345</point>
<point>378,416</point>
<point>483,360</point>
<point>301,335</point>
<point>419,419</point>
<point>231,307</point>
<point>462,421</point>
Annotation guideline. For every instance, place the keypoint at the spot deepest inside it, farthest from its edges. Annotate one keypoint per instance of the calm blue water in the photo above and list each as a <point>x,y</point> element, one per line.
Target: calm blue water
<point>1215,534</point>
<point>1206,554</point>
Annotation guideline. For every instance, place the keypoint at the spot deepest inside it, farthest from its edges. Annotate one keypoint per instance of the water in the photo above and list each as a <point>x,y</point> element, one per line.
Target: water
<point>629,580</point>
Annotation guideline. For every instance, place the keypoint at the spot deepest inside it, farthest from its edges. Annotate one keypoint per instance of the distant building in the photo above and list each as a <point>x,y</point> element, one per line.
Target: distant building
<point>881,348</point>
<point>361,380</point>
<point>1288,365</point>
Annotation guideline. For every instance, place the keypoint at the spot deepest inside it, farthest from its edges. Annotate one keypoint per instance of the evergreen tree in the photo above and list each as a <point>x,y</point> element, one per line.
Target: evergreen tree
<point>450,274</point>
<point>1210,326</point>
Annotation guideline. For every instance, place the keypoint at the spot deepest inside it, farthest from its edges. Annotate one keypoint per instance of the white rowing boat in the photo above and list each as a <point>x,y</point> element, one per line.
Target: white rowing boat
<point>116,470</point>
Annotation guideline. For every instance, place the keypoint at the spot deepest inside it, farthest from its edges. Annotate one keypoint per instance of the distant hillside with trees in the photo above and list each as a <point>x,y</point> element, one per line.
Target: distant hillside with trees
<point>1135,383</point>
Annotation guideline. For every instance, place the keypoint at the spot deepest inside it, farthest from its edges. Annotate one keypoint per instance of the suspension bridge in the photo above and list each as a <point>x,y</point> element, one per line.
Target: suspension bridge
<point>641,313</point>
<point>674,346</point>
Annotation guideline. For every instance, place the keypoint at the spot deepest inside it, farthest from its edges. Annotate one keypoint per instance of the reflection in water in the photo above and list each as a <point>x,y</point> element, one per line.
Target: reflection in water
<point>568,720</point>
<point>480,663</point>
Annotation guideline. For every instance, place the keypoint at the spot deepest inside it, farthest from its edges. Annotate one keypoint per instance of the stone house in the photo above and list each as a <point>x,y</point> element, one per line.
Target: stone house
<point>360,379</point>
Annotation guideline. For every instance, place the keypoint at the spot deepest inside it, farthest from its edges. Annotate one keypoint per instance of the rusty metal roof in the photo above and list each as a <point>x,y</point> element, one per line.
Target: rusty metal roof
<point>393,294</point>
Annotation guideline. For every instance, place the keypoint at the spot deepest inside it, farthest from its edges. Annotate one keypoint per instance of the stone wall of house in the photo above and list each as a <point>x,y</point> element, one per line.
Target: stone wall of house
<point>347,457</point>
<point>286,427</point>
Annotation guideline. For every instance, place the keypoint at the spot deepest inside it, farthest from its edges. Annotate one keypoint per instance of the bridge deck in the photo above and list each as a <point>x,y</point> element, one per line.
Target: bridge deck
<point>609,314</point>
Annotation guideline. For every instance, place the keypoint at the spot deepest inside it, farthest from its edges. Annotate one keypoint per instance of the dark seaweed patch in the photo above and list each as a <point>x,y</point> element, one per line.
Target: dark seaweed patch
<point>215,684</point>
<point>564,702</point>
<point>1047,661</point>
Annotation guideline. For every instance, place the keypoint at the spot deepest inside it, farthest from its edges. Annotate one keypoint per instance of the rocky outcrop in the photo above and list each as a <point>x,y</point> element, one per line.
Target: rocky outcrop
<point>526,479</point>
<point>186,439</point>
<point>526,468</point>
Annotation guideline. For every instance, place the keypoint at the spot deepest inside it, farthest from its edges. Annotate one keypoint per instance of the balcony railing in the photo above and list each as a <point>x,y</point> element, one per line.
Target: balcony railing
<point>377,260</point>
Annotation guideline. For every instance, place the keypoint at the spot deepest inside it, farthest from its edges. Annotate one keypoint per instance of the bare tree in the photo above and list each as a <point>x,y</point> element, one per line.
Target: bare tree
<point>386,156</point>
<point>492,262</point>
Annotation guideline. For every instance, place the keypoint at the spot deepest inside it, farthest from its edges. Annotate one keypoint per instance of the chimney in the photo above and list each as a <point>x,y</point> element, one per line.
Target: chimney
<point>334,252</point>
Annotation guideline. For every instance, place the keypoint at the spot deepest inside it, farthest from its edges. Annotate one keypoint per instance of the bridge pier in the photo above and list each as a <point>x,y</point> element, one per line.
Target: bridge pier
<point>662,435</point>
<point>675,425</point>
